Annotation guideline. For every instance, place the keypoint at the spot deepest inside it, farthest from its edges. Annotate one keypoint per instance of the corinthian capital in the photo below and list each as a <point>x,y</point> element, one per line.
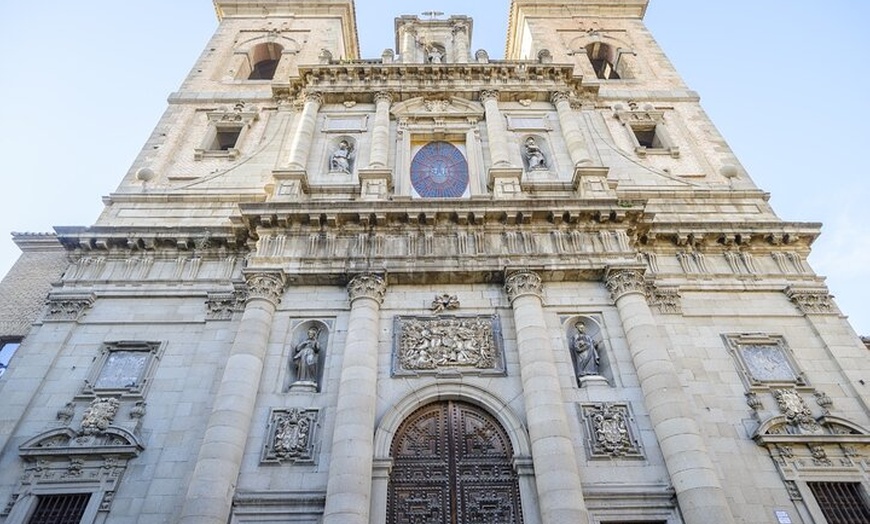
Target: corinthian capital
<point>314,96</point>
<point>621,281</point>
<point>265,285</point>
<point>383,96</point>
<point>367,285</point>
<point>560,96</point>
<point>488,94</point>
<point>523,283</point>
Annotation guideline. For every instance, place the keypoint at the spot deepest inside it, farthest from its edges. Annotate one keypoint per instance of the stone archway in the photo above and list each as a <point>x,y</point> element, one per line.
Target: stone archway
<point>452,464</point>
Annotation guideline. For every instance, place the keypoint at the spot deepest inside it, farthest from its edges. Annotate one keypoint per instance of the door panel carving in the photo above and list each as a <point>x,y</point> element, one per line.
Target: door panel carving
<point>452,464</point>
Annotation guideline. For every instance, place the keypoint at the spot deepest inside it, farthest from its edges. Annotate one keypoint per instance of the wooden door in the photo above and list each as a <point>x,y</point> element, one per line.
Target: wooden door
<point>452,464</point>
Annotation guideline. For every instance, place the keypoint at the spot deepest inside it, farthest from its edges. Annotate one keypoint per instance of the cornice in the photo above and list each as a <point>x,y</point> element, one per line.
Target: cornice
<point>105,238</point>
<point>363,78</point>
<point>475,212</point>
<point>729,235</point>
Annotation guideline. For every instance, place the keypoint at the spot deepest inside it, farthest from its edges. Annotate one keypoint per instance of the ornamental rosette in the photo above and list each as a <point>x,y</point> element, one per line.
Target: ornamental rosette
<point>523,283</point>
<point>621,282</point>
<point>265,285</point>
<point>367,285</point>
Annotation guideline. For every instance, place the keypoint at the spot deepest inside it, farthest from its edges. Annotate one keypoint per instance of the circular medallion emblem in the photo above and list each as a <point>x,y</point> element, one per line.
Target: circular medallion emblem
<point>439,170</point>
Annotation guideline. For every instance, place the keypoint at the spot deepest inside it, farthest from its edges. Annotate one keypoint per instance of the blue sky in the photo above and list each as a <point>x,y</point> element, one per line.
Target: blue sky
<point>84,83</point>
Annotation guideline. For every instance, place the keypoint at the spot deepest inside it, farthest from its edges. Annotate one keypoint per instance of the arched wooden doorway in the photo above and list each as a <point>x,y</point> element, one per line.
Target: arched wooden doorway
<point>452,464</point>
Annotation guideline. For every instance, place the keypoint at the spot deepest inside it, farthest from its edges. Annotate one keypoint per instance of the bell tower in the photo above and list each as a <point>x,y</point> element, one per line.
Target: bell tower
<point>433,40</point>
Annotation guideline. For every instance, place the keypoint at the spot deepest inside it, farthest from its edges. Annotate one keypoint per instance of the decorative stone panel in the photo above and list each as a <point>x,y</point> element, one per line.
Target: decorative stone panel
<point>448,345</point>
<point>222,305</point>
<point>292,436</point>
<point>764,360</point>
<point>610,431</point>
<point>812,301</point>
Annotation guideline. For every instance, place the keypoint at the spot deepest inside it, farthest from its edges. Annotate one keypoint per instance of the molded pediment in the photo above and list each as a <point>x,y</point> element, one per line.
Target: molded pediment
<point>780,429</point>
<point>430,107</point>
<point>66,442</point>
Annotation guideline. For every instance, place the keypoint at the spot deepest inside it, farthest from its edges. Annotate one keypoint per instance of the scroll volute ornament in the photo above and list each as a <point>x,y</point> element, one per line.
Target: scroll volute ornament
<point>265,285</point>
<point>367,285</point>
<point>523,283</point>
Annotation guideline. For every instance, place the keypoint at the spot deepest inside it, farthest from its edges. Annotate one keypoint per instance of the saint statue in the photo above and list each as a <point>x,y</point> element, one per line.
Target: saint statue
<point>534,156</point>
<point>586,352</point>
<point>341,158</point>
<point>305,356</point>
<point>434,55</point>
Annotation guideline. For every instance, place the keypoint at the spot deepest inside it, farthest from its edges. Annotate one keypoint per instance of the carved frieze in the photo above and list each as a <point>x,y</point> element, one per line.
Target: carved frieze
<point>66,308</point>
<point>222,305</point>
<point>812,301</point>
<point>292,434</point>
<point>796,411</point>
<point>609,431</point>
<point>443,302</point>
<point>447,344</point>
<point>99,415</point>
<point>367,285</point>
<point>666,299</point>
<point>522,283</point>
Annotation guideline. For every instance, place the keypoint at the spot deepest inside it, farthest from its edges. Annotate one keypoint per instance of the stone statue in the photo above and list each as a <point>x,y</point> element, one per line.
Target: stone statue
<point>434,55</point>
<point>534,156</point>
<point>586,351</point>
<point>341,158</point>
<point>305,356</point>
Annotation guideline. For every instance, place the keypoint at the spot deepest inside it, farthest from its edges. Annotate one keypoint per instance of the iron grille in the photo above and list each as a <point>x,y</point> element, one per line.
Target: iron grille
<point>60,509</point>
<point>841,502</point>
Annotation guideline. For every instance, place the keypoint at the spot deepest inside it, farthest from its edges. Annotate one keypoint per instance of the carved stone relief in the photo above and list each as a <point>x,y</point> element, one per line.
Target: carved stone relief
<point>222,305</point>
<point>763,360</point>
<point>292,434</point>
<point>447,344</point>
<point>99,415</point>
<point>68,307</point>
<point>610,431</point>
<point>812,301</point>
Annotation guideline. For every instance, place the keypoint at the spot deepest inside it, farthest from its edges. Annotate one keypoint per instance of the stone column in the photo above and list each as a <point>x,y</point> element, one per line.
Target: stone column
<point>495,127</point>
<point>560,493</point>
<point>381,131</point>
<point>698,487</point>
<point>349,486</point>
<point>574,139</point>
<point>211,489</point>
<point>302,138</point>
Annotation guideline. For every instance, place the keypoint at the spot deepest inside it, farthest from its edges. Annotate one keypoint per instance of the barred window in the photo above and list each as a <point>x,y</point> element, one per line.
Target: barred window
<point>60,509</point>
<point>841,502</point>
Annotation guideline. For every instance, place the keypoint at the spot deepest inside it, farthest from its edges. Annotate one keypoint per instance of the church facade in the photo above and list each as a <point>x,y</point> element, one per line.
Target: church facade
<point>431,287</point>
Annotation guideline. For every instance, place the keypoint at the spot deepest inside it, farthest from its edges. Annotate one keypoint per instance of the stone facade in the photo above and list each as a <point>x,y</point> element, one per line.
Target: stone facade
<point>312,250</point>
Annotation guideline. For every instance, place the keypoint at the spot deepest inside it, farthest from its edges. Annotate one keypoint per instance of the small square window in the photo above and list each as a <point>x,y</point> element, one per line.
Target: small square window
<point>647,137</point>
<point>60,509</point>
<point>226,138</point>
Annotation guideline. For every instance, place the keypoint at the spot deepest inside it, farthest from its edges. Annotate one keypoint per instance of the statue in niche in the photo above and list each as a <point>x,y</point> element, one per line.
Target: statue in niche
<point>434,55</point>
<point>341,158</point>
<point>585,350</point>
<point>534,155</point>
<point>306,357</point>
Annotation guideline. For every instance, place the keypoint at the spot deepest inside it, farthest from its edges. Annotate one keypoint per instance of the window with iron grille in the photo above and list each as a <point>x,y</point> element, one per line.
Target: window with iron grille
<point>60,509</point>
<point>841,502</point>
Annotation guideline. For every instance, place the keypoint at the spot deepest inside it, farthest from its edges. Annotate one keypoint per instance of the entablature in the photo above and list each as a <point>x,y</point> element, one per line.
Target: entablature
<point>728,235</point>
